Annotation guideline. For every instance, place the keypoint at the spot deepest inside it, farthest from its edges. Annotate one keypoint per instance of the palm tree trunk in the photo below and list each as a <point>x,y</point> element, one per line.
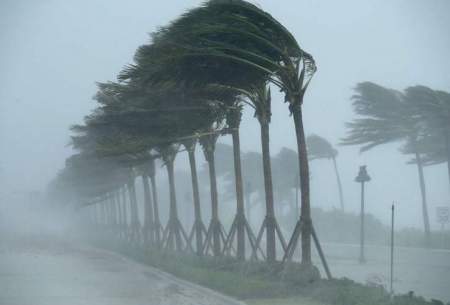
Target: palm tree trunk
<point>134,213</point>
<point>103,212</point>
<point>108,211</point>
<point>156,221</point>
<point>173,212</point>
<point>338,178</point>
<point>426,220</point>
<point>305,209</point>
<point>239,194</point>
<point>148,211</point>
<point>268,188</point>
<point>215,223</point>
<point>196,199</point>
<point>113,211</point>
<point>124,211</point>
<point>119,211</point>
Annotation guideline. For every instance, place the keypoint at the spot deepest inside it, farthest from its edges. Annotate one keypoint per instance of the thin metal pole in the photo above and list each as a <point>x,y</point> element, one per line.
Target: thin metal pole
<point>392,250</point>
<point>362,258</point>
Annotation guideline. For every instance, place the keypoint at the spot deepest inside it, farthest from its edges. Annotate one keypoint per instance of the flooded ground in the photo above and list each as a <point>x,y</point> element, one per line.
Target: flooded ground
<point>47,272</point>
<point>426,272</point>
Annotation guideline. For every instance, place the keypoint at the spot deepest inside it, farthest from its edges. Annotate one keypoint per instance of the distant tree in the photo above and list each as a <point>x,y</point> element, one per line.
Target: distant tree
<point>251,171</point>
<point>286,178</point>
<point>386,117</point>
<point>320,148</point>
<point>433,109</point>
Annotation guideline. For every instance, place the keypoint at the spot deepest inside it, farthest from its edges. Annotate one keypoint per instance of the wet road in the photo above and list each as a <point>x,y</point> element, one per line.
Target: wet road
<point>424,271</point>
<point>43,272</point>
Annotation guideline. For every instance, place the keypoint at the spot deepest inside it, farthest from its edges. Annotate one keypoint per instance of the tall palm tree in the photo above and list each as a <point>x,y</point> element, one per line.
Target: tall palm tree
<point>174,234</point>
<point>215,231</point>
<point>148,227</point>
<point>320,148</point>
<point>198,227</point>
<point>286,179</point>
<point>386,116</point>
<point>433,108</point>
<point>260,99</point>
<point>157,229</point>
<point>240,226</point>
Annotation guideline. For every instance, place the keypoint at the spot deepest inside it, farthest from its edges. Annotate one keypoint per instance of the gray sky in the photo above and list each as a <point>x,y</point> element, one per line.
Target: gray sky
<point>53,52</point>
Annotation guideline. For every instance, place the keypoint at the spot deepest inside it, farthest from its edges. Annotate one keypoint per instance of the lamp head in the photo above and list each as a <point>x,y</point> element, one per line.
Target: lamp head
<point>363,176</point>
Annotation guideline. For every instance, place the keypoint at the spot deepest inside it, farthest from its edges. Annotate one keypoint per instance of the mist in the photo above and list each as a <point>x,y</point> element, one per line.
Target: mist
<point>53,54</point>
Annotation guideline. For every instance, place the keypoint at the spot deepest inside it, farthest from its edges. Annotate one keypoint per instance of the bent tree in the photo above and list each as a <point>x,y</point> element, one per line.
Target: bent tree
<point>386,116</point>
<point>320,148</point>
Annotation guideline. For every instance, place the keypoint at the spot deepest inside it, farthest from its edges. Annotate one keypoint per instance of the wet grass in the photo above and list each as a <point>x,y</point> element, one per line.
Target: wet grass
<point>259,284</point>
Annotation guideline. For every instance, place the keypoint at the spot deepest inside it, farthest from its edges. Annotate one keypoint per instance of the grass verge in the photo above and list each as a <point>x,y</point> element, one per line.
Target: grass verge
<point>258,283</point>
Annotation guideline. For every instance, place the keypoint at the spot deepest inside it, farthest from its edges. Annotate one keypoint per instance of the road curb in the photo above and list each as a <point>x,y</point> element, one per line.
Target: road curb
<point>207,291</point>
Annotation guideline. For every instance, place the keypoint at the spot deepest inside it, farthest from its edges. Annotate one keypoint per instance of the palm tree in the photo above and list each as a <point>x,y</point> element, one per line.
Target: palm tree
<point>240,225</point>
<point>148,227</point>
<point>260,99</point>
<point>157,229</point>
<point>285,166</point>
<point>432,107</point>
<point>388,117</point>
<point>165,116</point>
<point>198,227</point>
<point>215,229</point>
<point>174,234</point>
<point>320,148</point>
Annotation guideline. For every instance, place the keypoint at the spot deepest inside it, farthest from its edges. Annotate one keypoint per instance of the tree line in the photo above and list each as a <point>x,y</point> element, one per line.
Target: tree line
<point>186,88</point>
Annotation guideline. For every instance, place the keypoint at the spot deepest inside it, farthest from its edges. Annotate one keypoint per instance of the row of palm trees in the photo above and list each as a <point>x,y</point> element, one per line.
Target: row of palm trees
<point>188,86</point>
<point>418,118</point>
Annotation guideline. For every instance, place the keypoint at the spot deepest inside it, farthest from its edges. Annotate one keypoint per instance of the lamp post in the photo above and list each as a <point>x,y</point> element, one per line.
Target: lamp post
<point>392,250</point>
<point>362,178</point>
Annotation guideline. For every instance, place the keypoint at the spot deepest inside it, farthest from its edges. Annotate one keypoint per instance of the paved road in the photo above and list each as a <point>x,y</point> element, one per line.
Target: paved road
<point>46,272</point>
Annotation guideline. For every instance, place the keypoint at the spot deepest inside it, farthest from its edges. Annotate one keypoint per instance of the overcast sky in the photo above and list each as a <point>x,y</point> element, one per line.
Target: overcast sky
<point>53,52</point>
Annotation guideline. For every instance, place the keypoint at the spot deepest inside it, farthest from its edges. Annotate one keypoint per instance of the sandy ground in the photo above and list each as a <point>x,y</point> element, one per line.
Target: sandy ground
<point>424,271</point>
<point>48,272</point>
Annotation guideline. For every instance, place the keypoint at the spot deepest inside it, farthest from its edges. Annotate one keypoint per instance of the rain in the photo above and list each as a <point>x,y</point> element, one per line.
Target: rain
<point>224,152</point>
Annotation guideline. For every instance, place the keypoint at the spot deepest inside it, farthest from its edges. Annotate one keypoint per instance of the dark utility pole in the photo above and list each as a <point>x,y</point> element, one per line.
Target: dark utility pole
<point>362,178</point>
